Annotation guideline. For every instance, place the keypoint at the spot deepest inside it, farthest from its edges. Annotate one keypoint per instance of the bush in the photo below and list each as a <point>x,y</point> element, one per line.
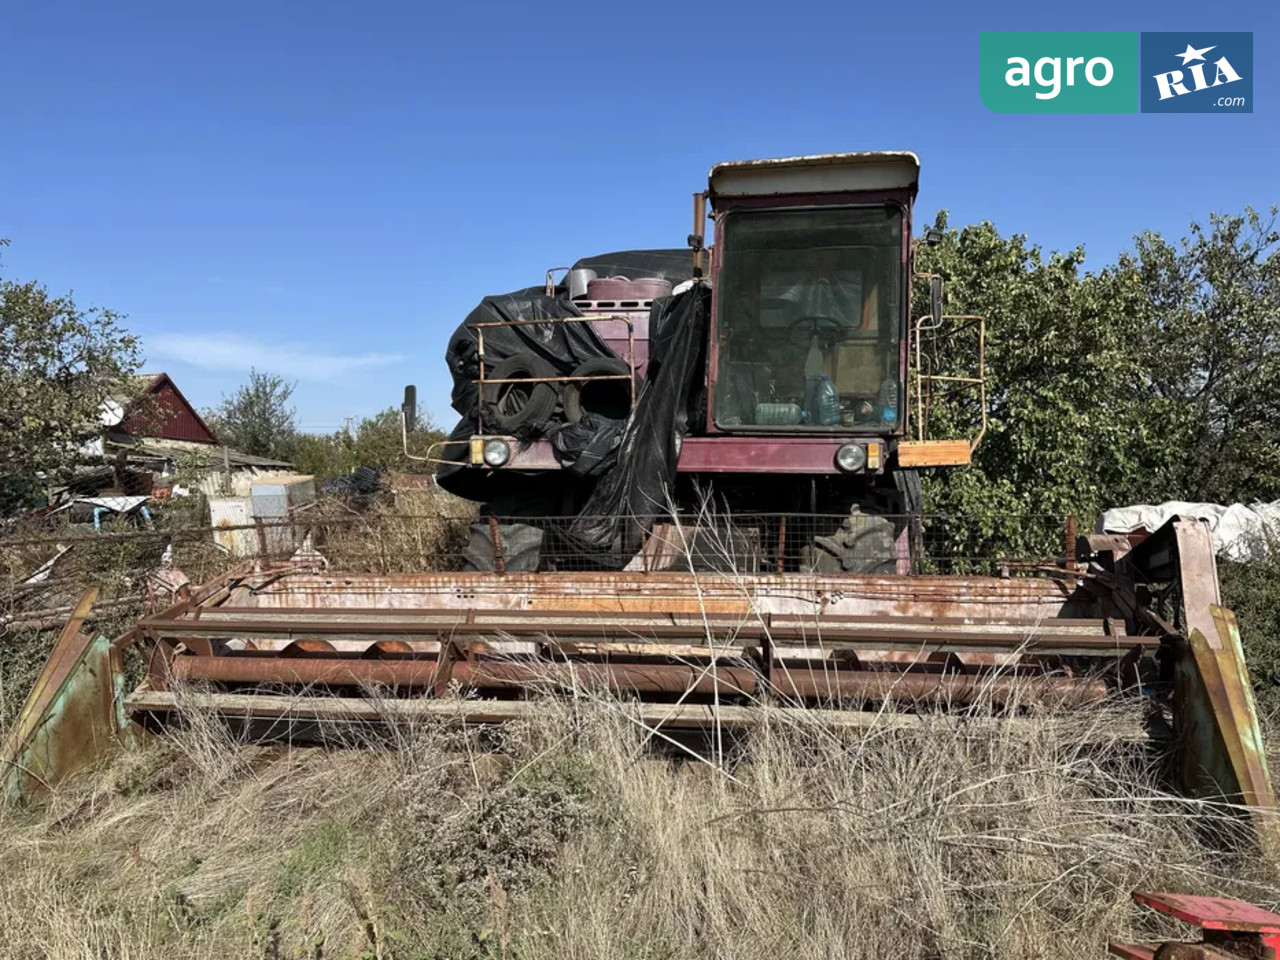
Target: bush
<point>1252,590</point>
<point>376,442</point>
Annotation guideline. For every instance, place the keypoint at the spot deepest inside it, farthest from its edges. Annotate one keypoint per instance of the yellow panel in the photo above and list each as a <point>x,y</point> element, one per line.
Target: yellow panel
<point>934,453</point>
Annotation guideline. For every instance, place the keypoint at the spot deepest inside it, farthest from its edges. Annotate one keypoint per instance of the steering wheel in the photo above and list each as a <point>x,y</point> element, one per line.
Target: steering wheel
<point>816,325</point>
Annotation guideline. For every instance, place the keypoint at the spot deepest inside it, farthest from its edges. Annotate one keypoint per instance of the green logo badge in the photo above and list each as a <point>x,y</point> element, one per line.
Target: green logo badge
<point>1060,72</point>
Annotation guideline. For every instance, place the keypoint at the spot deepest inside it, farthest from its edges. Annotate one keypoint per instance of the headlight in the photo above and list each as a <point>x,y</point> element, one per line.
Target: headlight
<point>851,457</point>
<point>497,452</point>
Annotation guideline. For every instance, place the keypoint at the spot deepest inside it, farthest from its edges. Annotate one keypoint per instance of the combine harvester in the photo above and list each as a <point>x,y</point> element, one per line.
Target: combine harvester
<point>698,488</point>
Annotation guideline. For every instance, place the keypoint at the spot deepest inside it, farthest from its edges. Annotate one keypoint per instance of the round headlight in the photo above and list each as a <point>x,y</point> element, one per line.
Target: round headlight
<point>496,452</point>
<point>851,457</point>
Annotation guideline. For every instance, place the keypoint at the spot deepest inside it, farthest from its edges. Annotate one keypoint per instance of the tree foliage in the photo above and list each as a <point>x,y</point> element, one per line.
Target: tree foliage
<point>58,364</point>
<point>1211,343</point>
<point>376,442</point>
<point>257,418</point>
<point>1153,379</point>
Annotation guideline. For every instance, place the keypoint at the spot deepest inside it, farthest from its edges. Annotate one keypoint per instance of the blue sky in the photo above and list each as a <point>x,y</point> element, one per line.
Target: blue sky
<point>325,189</point>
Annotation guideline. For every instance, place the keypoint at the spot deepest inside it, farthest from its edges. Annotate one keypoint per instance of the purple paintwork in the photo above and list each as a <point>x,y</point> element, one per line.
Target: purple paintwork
<point>738,454</point>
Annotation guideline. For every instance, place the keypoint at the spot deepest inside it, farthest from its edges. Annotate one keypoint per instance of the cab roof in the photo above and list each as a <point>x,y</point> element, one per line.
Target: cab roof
<point>870,170</point>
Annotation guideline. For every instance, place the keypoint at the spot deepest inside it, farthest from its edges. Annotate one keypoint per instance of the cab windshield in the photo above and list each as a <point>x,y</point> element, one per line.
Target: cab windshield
<point>808,319</point>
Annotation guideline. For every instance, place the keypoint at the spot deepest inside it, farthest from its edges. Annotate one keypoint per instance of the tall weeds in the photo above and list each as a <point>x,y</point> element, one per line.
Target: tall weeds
<point>569,836</point>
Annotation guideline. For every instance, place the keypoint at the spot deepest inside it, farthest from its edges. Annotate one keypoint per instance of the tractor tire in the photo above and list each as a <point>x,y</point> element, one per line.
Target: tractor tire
<point>863,543</point>
<point>521,546</point>
<point>610,399</point>
<point>520,409</point>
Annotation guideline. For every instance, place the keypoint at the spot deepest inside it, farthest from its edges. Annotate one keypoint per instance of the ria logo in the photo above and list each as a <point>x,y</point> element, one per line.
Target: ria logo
<point>1171,84</point>
<point>1197,73</point>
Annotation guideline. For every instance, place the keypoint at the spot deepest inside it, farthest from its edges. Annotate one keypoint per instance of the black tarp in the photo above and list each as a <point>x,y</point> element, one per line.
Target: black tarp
<point>613,521</point>
<point>563,345</point>
<point>588,449</point>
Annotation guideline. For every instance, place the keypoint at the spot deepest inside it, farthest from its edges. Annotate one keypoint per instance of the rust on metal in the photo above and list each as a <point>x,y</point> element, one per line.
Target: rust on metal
<point>1222,753</point>
<point>999,690</point>
<point>1215,720</point>
<point>306,671</point>
<point>469,710</point>
<point>1036,637</point>
<point>495,540</point>
<point>1030,598</point>
<point>739,640</point>
<point>736,641</point>
<point>1225,754</point>
<point>73,713</point>
<point>796,681</point>
<point>928,634</point>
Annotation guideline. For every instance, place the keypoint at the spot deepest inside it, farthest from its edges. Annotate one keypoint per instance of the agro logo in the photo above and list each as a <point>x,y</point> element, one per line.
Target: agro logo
<point>1048,73</point>
<point>1204,73</point>
<point>1059,72</point>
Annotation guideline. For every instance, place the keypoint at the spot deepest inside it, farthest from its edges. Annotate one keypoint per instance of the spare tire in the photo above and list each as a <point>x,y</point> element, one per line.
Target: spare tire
<point>521,546</point>
<point>610,399</point>
<point>517,408</point>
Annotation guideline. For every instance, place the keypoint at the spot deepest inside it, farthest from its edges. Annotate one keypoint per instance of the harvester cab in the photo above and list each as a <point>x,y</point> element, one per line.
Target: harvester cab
<point>808,382</point>
<point>812,270</point>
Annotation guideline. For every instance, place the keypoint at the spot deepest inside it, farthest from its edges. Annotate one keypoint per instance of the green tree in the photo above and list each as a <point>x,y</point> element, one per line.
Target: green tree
<point>1135,383</point>
<point>1210,348</point>
<point>376,442</point>
<point>58,364</point>
<point>257,418</point>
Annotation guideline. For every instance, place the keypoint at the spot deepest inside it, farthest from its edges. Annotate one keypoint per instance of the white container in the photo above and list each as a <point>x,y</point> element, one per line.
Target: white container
<point>274,501</point>
<point>233,512</point>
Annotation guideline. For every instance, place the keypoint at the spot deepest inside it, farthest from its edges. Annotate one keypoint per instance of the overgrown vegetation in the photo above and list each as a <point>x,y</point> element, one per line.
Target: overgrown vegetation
<point>1252,591</point>
<point>256,418</point>
<point>420,531</point>
<point>121,562</point>
<point>566,837</point>
<point>58,363</point>
<point>375,441</point>
<point>1156,378</point>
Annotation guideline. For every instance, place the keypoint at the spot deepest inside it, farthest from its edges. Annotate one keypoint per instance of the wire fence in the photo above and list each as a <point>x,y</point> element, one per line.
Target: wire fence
<point>47,562</point>
<point>387,541</point>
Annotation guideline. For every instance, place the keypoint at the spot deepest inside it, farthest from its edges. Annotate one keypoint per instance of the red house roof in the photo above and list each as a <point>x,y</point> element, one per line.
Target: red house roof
<point>162,411</point>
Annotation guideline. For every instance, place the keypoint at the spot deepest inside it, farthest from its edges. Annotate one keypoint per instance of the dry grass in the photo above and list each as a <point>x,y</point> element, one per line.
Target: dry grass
<point>420,531</point>
<point>584,835</point>
<point>567,837</point>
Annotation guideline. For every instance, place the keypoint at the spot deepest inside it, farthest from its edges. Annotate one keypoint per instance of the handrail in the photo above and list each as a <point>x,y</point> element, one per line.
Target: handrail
<point>924,324</point>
